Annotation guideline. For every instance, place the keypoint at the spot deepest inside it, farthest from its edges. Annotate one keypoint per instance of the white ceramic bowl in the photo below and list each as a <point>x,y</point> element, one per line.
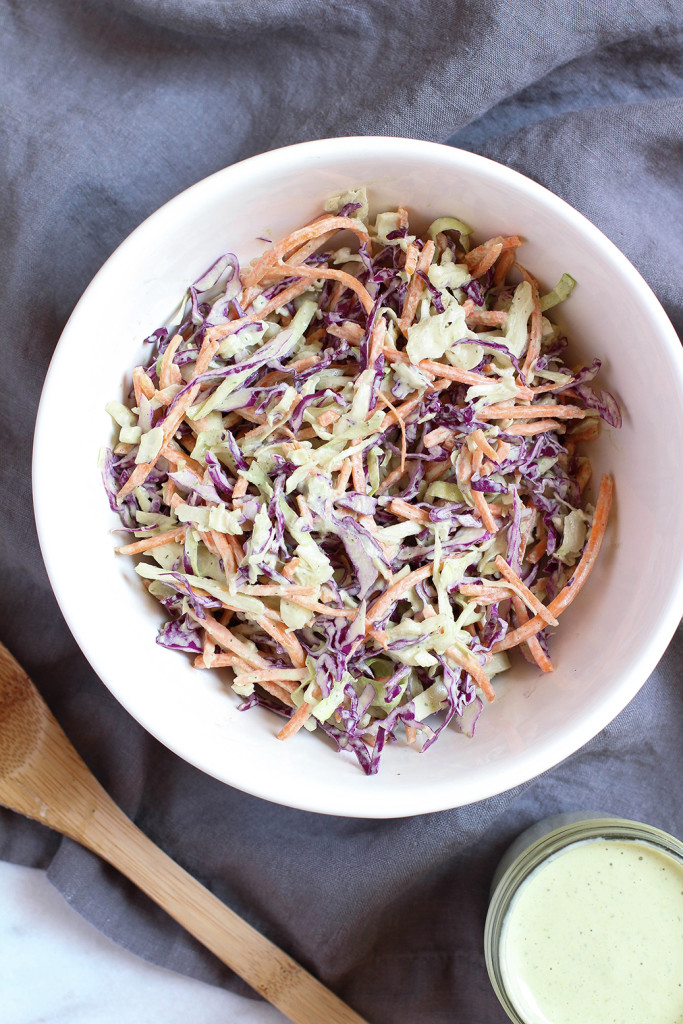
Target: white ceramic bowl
<point>607,643</point>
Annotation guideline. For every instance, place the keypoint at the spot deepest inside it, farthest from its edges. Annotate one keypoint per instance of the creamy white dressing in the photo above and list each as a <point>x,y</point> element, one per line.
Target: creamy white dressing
<point>595,935</point>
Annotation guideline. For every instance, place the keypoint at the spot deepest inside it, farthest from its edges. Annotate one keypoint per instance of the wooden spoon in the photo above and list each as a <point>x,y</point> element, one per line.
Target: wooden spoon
<point>42,776</point>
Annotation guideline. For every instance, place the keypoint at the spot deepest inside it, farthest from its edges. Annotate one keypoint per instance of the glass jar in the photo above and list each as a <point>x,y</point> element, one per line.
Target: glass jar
<point>536,922</point>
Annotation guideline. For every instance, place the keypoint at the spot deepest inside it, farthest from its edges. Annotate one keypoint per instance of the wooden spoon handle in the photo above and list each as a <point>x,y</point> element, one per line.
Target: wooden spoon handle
<point>42,776</point>
<point>265,967</point>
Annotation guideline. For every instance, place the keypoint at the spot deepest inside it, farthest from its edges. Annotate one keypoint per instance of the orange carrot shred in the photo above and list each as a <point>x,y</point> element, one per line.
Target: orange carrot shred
<point>481,442</point>
<point>579,577</point>
<point>152,542</point>
<point>314,273</point>
<point>396,590</point>
<point>403,510</point>
<point>298,719</point>
<point>535,649</point>
<point>416,287</point>
<point>527,596</point>
<point>401,422</point>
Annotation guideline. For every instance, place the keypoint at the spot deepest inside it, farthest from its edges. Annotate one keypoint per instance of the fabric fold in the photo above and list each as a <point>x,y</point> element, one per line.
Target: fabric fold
<point>108,111</point>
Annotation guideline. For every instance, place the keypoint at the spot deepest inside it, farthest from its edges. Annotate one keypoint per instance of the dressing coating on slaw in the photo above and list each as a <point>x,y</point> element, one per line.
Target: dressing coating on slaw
<point>351,467</point>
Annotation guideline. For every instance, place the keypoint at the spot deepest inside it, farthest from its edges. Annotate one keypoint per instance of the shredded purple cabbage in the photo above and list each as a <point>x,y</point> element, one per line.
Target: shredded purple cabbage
<point>261,480</point>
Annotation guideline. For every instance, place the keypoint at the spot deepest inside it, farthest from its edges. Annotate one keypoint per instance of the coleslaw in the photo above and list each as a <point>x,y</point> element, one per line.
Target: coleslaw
<point>351,467</point>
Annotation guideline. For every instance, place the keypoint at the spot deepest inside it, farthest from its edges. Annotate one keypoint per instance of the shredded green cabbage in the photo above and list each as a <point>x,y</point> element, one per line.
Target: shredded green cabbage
<point>332,512</point>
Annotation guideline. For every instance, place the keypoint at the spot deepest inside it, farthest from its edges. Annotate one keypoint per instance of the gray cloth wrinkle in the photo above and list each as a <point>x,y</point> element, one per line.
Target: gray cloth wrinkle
<point>108,111</point>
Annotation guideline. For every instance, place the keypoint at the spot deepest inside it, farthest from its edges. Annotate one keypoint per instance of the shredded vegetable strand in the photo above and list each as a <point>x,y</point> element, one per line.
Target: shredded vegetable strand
<point>340,485</point>
<point>581,574</point>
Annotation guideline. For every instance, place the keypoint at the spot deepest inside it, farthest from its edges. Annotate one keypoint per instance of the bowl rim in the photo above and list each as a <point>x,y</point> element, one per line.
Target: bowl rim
<point>546,754</point>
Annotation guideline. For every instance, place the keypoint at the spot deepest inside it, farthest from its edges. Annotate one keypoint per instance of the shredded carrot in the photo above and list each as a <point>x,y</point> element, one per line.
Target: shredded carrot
<point>503,450</point>
<point>401,422</point>
<point>397,590</point>
<point>528,597</point>
<point>142,385</point>
<point>347,332</point>
<point>391,479</point>
<point>535,649</point>
<point>301,254</point>
<point>177,457</point>
<point>226,553</point>
<point>276,590</point>
<point>411,734</point>
<point>480,590</point>
<point>535,331</point>
<point>289,569</point>
<point>589,432</point>
<point>284,637</point>
<point>358,473</point>
<point>416,287</point>
<point>487,260</point>
<point>222,331</point>
<point>152,542</point>
<point>478,499</point>
<point>526,412</point>
<point>276,690</point>
<point>343,478</point>
<point>300,237</point>
<point>288,678</point>
<point>298,719</point>
<point>537,427</point>
<point>412,254</point>
<point>504,266</point>
<point>437,436</point>
<point>436,470</point>
<point>463,467</point>
<point>581,572</point>
<point>484,511</point>
<point>169,373</point>
<point>237,548</point>
<point>380,637</point>
<point>173,419</point>
<point>327,418</point>
<point>224,638</point>
<point>447,371</point>
<point>208,651</point>
<point>208,542</point>
<point>486,317</point>
<point>377,336</point>
<point>335,296</point>
<point>222,661</point>
<point>479,438</point>
<point>315,273</point>
<point>584,474</point>
<point>300,364</point>
<point>473,667</point>
<point>401,411</point>
<point>304,510</point>
<point>525,532</point>
<point>403,510</point>
<point>239,490</point>
<point>476,256</point>
<point>539,549</point>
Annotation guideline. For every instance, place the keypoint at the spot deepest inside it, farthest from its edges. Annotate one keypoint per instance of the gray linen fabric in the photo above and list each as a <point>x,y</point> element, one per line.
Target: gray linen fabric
<point>109,109</point>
